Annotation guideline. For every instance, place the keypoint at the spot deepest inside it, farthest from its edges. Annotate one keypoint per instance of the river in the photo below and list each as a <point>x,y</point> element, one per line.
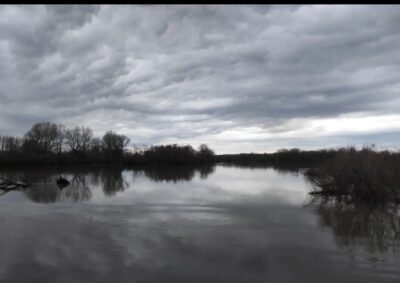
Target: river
<point>186,224</point>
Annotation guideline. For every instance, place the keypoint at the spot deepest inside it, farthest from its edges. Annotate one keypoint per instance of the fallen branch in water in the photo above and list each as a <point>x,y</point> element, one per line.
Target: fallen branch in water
<point>7,184</point>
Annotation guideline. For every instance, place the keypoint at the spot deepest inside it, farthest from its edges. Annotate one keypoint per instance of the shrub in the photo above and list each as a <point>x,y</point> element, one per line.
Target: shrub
<point>364,174</point>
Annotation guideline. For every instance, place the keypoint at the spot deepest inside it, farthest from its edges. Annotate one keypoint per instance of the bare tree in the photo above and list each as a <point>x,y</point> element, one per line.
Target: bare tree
<point>114,143</point>
<point>205,152</point>
<point>78,138</point>
<point>43,136</point>
<point>60,138</point>
<point>10,143</point>
<point>72,138</point>
<point>86,137</point>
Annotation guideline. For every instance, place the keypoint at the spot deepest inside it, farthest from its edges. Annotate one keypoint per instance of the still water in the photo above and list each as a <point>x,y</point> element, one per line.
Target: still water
<point>179,224</point>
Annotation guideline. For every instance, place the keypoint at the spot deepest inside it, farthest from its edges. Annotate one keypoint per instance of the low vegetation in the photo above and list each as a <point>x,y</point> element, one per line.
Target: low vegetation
<point>365,174</point>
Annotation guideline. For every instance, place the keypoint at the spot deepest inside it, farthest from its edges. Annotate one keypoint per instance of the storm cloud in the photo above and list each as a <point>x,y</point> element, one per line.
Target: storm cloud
<point>239,78</point>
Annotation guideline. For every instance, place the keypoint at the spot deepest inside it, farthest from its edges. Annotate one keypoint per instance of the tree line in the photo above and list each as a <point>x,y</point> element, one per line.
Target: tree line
<point>47,137</point>
<point>291,158</point>
<point>51,143</point>
<point>47,142</point>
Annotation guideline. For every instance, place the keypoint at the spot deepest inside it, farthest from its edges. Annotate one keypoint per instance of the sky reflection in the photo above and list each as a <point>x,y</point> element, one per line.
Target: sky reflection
<point>252,224</point>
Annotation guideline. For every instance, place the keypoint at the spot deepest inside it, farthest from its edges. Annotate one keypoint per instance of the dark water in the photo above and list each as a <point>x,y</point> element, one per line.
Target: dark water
<point>221,224</point>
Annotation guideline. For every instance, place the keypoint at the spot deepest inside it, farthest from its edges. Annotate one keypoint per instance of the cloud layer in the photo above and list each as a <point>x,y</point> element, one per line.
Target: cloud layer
<point>240,78</point>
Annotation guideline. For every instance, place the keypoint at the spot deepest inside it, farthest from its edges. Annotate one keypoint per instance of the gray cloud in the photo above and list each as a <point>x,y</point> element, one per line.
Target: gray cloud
<point>215,74</point>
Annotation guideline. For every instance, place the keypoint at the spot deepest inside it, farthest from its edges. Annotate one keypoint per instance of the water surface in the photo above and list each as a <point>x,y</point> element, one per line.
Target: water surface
<point>180,224</point>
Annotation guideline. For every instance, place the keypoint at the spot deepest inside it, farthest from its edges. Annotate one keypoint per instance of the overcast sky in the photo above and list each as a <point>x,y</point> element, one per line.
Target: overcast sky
<point>239,78</point>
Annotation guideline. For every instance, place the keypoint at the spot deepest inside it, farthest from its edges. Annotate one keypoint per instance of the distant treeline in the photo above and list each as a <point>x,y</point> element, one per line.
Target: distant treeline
<point>50,143</point>
<point>172,154</point>
<point>283,157</point>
